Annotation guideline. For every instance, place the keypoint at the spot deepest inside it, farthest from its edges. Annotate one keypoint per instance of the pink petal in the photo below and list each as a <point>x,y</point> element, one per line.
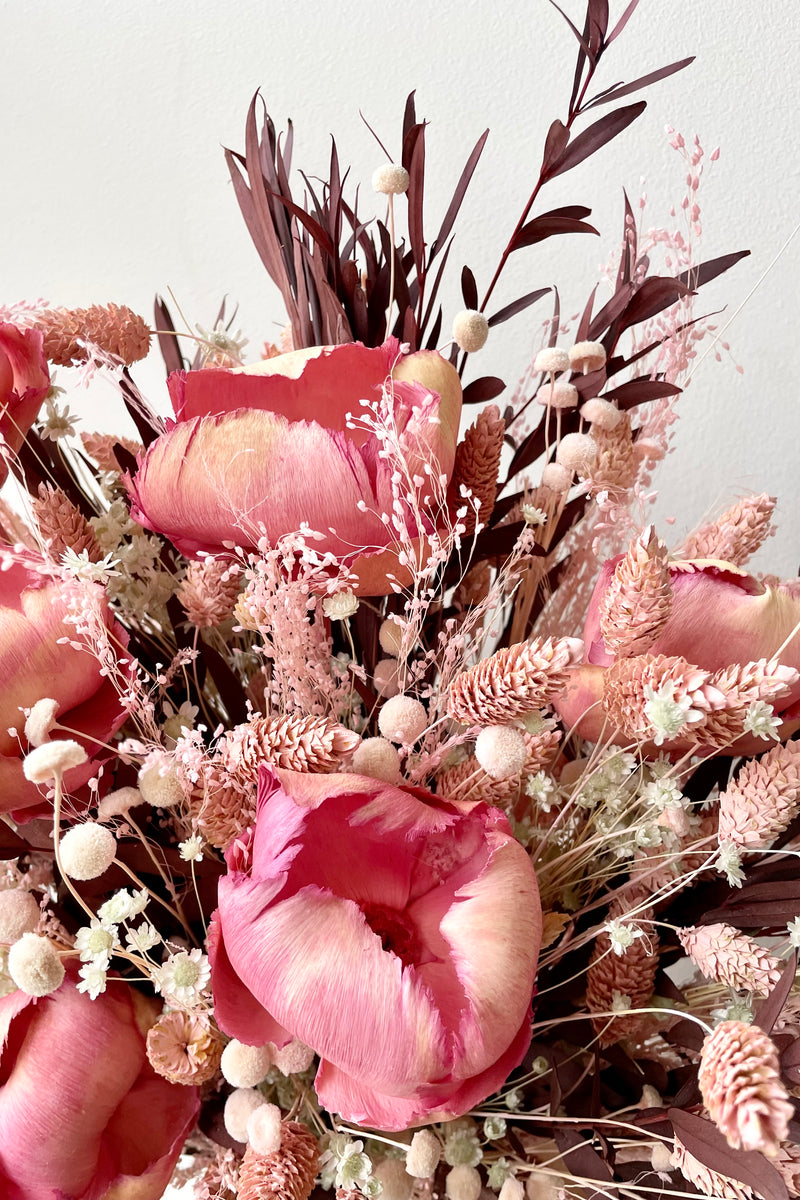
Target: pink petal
<point>237,1011</point>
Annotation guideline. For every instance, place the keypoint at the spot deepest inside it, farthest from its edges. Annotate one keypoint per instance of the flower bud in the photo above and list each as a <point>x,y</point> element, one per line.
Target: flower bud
<point>87,850</point>
<point>34,965</point>
<point>264,1129</point>
<point>390,180</point>
<point>463,1183</point>
<point>424,1154</point>
<point>377,758</point>
<point>587,356</point>
<point>551,359</point>
<point>501,750</point>
<point>470,330</point>
<point>245,1066</point>
<point>403,719</point>
<point>239,1107</point>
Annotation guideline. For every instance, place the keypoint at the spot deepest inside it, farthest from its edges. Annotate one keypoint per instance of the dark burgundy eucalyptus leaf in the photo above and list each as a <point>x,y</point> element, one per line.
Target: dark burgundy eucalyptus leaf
<point>655,294</point>
<point>516,306</point>
<point>582,40</point>
<point>469,288</point>
<point>643,81</point>
<point>409,120</point>
<point>546,226</point>
<point>581,1158</point>
<point>641,391</point>
<point>597,18</point>
<point>768,1012</point>
<point>702,1139</point>
<point>622,22</point>
<point>554,146</point>
<point>167,341</point>
<point>695,277</point>
<point>483,389</point>
<point>596,136</point>
<point>415,194</point>
<point>458,195</point>
<point>610,311</point>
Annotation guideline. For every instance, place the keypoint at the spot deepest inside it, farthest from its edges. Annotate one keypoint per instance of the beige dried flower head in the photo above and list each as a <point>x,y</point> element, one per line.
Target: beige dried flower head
<point>736,535</point>
<point>288,1174</point>
<point>115,328</point>
<point>763,800</point>
<point>62,526</point>
<point>208,592</point>
<point>617,464</point>
<point>731,957</point>
<point>636,605</point>
<point>616,981</point>
<point>558,395</point>
<point>225,808</point>
<point>184,1047</point>
<point>477,465</point>
<point>740,1082</point>
<point>551,360</point>
<point>709,1182</point>
<point>468,780</point>
<point>470,330</point>
<point>587,356</point>
<point>655,697</point>
<point>296,743</point>
<point>577,452</point>
<point>512,682</point>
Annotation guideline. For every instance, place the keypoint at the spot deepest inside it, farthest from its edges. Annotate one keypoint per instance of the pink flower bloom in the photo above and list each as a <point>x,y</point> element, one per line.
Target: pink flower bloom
<point>82,1113</point>
<point>33,666</point>
<point>394,932</point>
<point>268,448</point>
<point>24,383</point>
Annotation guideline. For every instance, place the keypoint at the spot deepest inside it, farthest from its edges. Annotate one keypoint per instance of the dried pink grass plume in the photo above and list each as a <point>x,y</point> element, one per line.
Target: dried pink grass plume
<point>288,1174</point>
<point>736,535</point>
<point>635,607</point>
<point>225,808</point>
<point>100,447</point>
<point>62,526</point>
<point>115,328</point>
<point>711,1183</point>
<point>477,465</point>
<point>741,685</point>
<point>208,592</point>
<point>763,800</point>
<point>612,979</point>
<point>296,743</point>
<point>730,957</point>
<point>184,1048</point>
<point>739,1079</point>
<point>513,681</point>
<point>616,466</point>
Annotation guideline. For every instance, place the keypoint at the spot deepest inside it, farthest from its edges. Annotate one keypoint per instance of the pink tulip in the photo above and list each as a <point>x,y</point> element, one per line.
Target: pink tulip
<point>83,1115</point>
<point>393,931</point>
<point>33,666</point>
<point>720,615</point>
<point>24,383</point>
<point>264,450</point>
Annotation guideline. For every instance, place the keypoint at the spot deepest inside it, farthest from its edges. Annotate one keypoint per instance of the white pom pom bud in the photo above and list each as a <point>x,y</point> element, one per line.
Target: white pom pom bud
<point>118,803</point>
<point>51,759</point>
<point>576,451</point>
<point>403,719</point>
<point>40,722</point>
<point>556,477</point>
<point>390,636</point>
<point>239,1107</point>
<point>501,750</point>
<point>463,1183</point>
<point>470,330</point>
<point>558,395</point>
<point>397,1183</point>
<point>293,1058</point>
<point>377,758</point>
<point>386,677</point>
<point>87,850</point>
<point>264,1129</point>
<point>390,180</point>
<point>162,791</point>
<point>245,1066</point>
<point>601,413</point>
<point>340,605</point>
<point>19,913</point>
<point>512,1189</point>
<point>34,965</point>
<point>661,1159</point>
<point>423,1154</point>
<point>551,359</point>
<point>587,356</point>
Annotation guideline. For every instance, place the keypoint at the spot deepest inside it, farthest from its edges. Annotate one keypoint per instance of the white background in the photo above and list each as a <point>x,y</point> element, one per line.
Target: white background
<point>114,184</point>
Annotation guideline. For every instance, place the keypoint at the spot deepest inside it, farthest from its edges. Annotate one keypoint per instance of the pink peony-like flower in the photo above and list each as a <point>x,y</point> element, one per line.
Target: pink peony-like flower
<point>33,665</point>
<point>267,448</point>
<point>394,932</point>
<point>82,1113</point>
<point>24,383</point>
<point>719,616</point>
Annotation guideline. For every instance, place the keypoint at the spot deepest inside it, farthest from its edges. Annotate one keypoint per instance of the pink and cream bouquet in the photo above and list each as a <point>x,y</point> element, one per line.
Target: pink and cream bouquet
<point>388,808</point>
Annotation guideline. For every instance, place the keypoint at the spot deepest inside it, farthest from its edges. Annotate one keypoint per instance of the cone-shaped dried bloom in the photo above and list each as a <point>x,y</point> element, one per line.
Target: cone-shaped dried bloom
<point>737,534</point>
<point>763,800</point>
<point>477,465</point>
<point>115,328</point>
<point>294,742</point>
<point>616,466</point>
<point>512,682</point>
<point>635,607</point>
<point>209,591</point>
<point>287,1174</point>
<point>740,1082</point>
<point>62,526</point>
<point>732,958</point>
<point>615,982</point>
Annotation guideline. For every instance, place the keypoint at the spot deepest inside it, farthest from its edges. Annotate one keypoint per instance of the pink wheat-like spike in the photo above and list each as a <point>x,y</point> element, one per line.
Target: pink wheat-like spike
<point>709,1182</point>
<point>513,681</point>
<point>763,800</point>
<point>636,604</point>
<point>62,526</point>
<point>288,1174</point>
<point>100,447</point>
<point>477,465</point>
<point>630,975</point>
<point>209,592</point>
<point>616,466</point>
<point>115,328</point>
<point>225,807</point>
<point>629,683</point>
<point>732,958</point>
<point>736,535</point>
<point>740,1082</point>
<point>741,684</point>
<point>468,780</point>
<point>294,742</point>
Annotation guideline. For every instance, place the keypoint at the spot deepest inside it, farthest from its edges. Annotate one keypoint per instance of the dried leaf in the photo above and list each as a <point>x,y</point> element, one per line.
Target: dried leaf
<point>625,89</point>
<point>771,1009</point>
<point>483,389</point>
<point>548,225</point>
<point>167,341</point>
<point>554,146</point>
<point>458,195</point>
<point>516,306</point>
<point>596,136</point>
<point>469,288</point>
<point>640,391</point>
<point>695,277</point>
<point>583,43</point>
<point>655,294</point>
<point>579,1155</point>
<point>622,22</point>
<point>702,1139</point>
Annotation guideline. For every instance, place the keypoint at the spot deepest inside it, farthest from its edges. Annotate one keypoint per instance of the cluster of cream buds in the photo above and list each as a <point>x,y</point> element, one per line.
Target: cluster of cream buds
<point>575,452</point>
<point>248,1115</point>
<point>611,782</point>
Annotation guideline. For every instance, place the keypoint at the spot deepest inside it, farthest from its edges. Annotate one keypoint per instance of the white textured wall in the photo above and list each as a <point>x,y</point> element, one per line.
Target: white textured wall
<point>114,185</point>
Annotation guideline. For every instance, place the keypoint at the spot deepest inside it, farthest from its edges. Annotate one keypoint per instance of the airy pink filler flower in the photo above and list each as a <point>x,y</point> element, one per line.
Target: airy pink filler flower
<point>82,1113</point>
<point>720,615</point>
<point>24,383</point>
<point>393,931</point>
<point>267,448</point>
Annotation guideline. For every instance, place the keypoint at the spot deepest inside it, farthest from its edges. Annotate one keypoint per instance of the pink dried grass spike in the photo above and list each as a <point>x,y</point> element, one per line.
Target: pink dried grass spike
<point>100,447</point>
<point>732,958</point>
<point>741,685</point>
<point>616,466</point>
<point>115,328</point>
<point>636,605</point>
<point>62,526</point>
<point>736,535</point>
<point>763,800</point>
<point>514,681</point>
<point>226,807</point>
<point>629,682</point>
<point>477,465</point>
<point>288,1174</point>
<point>739,1079</point>
<point>209,592</point>
<point>294,742</point>
<point>632,975</point>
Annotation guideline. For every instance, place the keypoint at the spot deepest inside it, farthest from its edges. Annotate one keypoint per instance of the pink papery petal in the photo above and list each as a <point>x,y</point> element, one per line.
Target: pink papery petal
<point>237,1011</point>
<point>24,383</point>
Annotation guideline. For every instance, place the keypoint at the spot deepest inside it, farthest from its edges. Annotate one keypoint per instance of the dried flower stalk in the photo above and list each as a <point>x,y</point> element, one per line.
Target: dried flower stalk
<point>115,328</point>
<point>612,979</point>
<point>739,1079</point>
<point>514,681</point>
<point>732,958</point>
<point>636,605</point>
<point>296,743</point>
<point>209,592</point>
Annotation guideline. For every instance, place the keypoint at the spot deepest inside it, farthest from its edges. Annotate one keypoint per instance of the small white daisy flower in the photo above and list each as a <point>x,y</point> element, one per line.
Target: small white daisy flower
<point>96,942</point>
<point>183,976</point>
<point>142,938</point>
<point>192,849</point>
<point>93,979</point>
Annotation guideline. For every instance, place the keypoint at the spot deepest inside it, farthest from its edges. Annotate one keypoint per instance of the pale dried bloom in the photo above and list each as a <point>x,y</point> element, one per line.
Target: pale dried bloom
<point>513,681</point>
<point>227,807</point>
<point>577,452</point>
<point>288,1174</point>
<point>587,356</point>
<point>736,535</point>
<point>294,742</point>
<point>115,328</point>
<point>732,958</point>
<point>468,780</point>
<point>653,696</point>
<point>636,604</point>
<point>711,1183</point>
<point>739,1078</point>
<point>477,465</point>
<point>630,976</point>
<point>390,179</point>
<point>100,447</point>
<point>616,466</point>
<point>208,592</point>
<point>501,750</point>
<point>62,526</point>
<point>742,685</point>
<point>470,330</point>
<point>184,1047</point>
<point>763,800</point>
